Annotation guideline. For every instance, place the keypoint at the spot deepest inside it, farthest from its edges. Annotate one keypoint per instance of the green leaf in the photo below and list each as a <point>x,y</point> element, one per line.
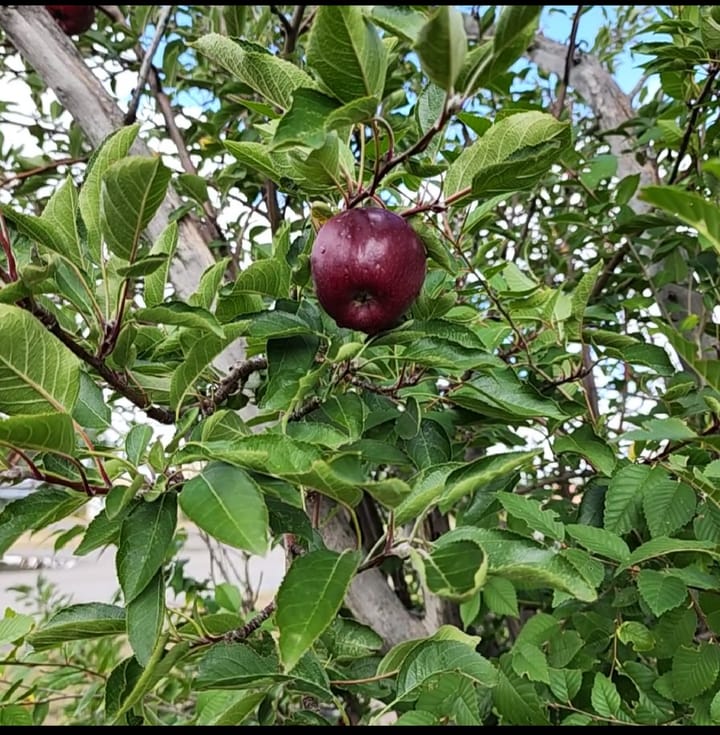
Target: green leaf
<point>661,592</point>
<point>197,360</point>
<point>513,33</point>
<point>45,232</point>
<point>630,350</point>
<point>101,531</point>
<point>662,545</point>
<point>529,510</point>
<point>91,408</point>
<point>181,314</point>
<point>36,511</point>
<point>668,506</point>
<point>79,622</point>
<point>61,212</point>
<point>688,207</point>
<point>623,499</point>
<point>599,541</point>
<point>630,631</point>
<point>304,123</point>
<point>673,429</point>
<point>52,432</point>
<point>694,670</point>
<point>145,537</point>
<point>565,683</point>
<point>274,78</point>
<point>236,666</point>
<point>516,700</point>
<point>346,52</point>
<point>114,148</point>
<point>14,627</point>
<point>400,20</point>
<point>211,281</point>
<point>455,571</point>
<point>136,443</point>
<point>433,658</point>
<point>584,442</point>
<point>530,661</point>
<point>504,396</point>
<point>500,596</point>
<point>228,504</point>
<point>442,45</point>
<point>347,639</point>
<point>143,267</point>
<point>309,597</point>
<point>132,190</point>
<point>29,385</point>
<point>526,564</point>
<point>154,291</point>
<point>226,707</point>
<point>606,699</point>
<point>358,111</point>
<point>13,715</point>
<point>480,473</point>
<point>512,155</point>
<point>145,618</point>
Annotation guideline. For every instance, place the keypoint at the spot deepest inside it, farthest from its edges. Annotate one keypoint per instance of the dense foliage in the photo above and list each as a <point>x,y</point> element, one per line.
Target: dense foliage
<point>531,455</point>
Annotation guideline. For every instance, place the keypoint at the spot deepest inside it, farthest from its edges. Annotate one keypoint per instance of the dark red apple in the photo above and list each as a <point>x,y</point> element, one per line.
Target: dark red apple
<point>73,18</point>
<point>368,266</point>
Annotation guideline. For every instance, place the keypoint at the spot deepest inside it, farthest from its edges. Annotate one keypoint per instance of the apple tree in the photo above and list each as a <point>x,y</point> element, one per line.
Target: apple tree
<point>497,494</point>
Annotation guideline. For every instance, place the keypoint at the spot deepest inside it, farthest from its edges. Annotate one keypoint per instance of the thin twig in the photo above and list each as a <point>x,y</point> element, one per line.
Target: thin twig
<point>238,375</point>
<point>146,64</point>
<point>568,62</point>
<point>22,175</point>
<point>692,121</point>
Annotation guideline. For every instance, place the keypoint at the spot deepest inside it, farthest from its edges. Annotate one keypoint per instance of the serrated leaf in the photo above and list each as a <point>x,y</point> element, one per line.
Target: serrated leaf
<point>131,192</point>
<point>512,155</point>
<point>606,699</point>
<point>599,541</point>
<point>565,683</point>
<point>38,374</point>
<point>79,622</point>
<point>663,545</point>
<point>694,670</point>
<point>661,592</point>
<point>228,504</point>
<point>668,506</point>
<point>274,78</point>
<point>309,597</point>
<point>346,53</point>
<point>433,658</point>
<point>516,700</point>
<point>145,537</point>
<point>623,499</point>
<point>500,596</point>
<point>530,661</point>
<point>637,634</point>
<point>442,45</point>
<point>399,20</point>
<point>529,510</point>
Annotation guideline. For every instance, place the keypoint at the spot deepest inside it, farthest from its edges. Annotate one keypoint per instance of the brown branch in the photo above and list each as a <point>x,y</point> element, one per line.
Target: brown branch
<point>118,381</point>
<point>560,104</point>
<point>146,64</point>
<point>692,121</point>
<point>235,378</point>
<point>608,270</point>
<point>21,175</point>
